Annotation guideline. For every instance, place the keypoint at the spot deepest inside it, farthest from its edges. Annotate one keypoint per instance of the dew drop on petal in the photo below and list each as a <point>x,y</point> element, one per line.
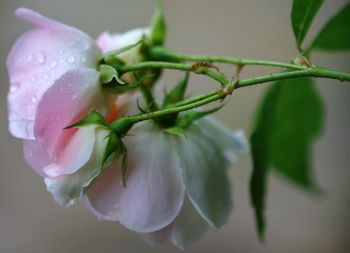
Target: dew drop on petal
<point>40,57</point>
<point>34,99</point>
<point>46,76</point>
<point>70,59</point>
<point>53,64</point>
<point>14,87</point>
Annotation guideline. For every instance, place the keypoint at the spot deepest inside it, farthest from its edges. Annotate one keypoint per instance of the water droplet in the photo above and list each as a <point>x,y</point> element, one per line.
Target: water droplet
<point>61,60</point>
<point>33,78</point>
<point>70,59</point>
<point>53,64</point>
<point>69,85</point>
<point>83,60</point>
<point>74,96</point>
<point>40,57</point>
<point>14,87</point>
<point>34,99</point>
<point>46,76</point>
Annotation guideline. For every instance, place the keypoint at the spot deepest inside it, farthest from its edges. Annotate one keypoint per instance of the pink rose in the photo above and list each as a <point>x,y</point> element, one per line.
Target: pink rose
<point>53,84</point>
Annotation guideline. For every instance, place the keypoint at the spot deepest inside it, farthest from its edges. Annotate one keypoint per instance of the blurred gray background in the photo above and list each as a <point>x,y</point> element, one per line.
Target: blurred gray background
<point>30,221</point>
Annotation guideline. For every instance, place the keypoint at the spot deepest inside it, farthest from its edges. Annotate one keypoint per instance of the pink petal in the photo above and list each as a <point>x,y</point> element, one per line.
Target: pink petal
<point>109,42</point>
<point>75,154</point>
<point>35,156</point>
<point>72,96</point>
<point>39,20</point>
<point>154,189</point>
<point>36,60</point>
<point>68,189</point>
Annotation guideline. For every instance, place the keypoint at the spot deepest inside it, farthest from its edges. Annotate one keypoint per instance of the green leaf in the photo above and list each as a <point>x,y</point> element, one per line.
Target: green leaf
<point>289,119</point>
<point>92,118</point>
<point>303,12</point>
<point>176,131</point>
<point>336,33</point>
<point>158,27</point>
<point>177,94</point>
<point>108,73</point>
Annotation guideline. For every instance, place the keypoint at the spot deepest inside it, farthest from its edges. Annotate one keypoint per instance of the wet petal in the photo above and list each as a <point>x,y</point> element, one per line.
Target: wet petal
<point>71,97</point>
<point>36,60</point>
<point>68,189</point>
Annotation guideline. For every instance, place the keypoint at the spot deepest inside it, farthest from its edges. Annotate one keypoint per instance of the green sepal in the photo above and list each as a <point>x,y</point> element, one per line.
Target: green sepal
<point>151,104</point>
<point>176,131</point>
<point>177,94</point>
<point>118,88</point>
<point>158,27</point>
<point>187,119</point>
<point>92,118</point>
<point>108,74</point>
<point>112,57</point>
<point>122,126</point>
<point>113,60</point>
<point>112,149</point>
<point>123,168</point>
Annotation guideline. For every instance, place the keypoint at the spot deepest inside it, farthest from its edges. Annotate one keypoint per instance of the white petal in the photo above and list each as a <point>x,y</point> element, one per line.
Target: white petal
<point>154,189</point>
<point>68,189</point>
<point>187,228</point>
<point>203,154</point>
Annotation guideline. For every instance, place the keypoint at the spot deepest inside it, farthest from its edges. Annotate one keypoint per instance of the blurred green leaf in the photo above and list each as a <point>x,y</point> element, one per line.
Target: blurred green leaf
<point>289,119</point>
<point>335,35</point>
<point>303,12</point>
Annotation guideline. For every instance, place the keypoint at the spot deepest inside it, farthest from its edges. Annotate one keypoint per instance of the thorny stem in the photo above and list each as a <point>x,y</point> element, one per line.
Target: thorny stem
<point>161,53</point>
<point>228,85</point>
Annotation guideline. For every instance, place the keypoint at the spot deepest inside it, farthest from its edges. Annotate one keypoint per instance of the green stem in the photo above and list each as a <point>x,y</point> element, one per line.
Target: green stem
<point>170,65</point>
<point>161,53</point>
<point>177,109</point>
<point>215,95</point>
<point>309,72</point>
